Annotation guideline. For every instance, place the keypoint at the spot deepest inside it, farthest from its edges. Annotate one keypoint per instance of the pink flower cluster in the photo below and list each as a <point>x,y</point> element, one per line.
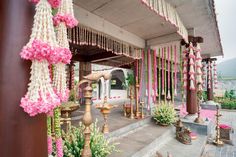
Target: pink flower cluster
<point>53,3</point>
<point>62,95</point>
<point>69,20</point>
<point>224,126</point>
<point>49,145</point>
<point>59,146</point>
<point>40,106</point>
<point>39,50</point>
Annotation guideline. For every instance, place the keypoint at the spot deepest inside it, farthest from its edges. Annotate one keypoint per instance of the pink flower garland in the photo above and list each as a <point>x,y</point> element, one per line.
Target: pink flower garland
<point>62,95</point>
<point>42,105</point>
<point>59,146</point>
<point>168,81</point>
<point>175,70</point>
<point>53,3</point>
<point>69,20</point>
<point>49,145</point>
<point>40,51</point>
<point>163,72</point>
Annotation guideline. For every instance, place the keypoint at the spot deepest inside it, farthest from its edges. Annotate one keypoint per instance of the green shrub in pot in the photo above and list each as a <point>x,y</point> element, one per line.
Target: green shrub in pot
<point>164,114</point>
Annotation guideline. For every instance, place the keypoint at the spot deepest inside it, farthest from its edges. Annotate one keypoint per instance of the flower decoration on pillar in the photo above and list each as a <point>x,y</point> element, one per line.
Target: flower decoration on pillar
<point>209,75</point>
<point>168,81</point>
<point>215,75</point>
<point>198,67</point>
<point>175,71</point>
<point>204,75</point>
<point>42,49</point>
<point>185,72</point>
<point>66,15</point>
<point>191,67</point>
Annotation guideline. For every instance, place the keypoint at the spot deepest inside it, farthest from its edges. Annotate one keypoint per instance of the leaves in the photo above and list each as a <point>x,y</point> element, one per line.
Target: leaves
<point>164,114</point>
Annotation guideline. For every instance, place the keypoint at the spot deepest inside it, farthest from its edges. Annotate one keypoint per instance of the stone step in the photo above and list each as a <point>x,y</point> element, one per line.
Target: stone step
<point>177,149</point>
<point>128,129</point>
<point>143,141</point>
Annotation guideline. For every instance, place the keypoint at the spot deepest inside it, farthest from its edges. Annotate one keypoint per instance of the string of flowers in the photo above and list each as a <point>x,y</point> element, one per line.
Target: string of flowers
<point>54,3</point>
<point>165,69</point>
<point>163,72</point>
<point>181,74</point>
<point>148,81</point>
<point>159,75</point>
<point>168,79</point>
<point>199,67</point>
<point>209,75</point>
<point>42,49</point>
<point>172,74</point>
<point>63,19</point>
<point>155,75</point>
<point>57,128</point>
<point>191,67</point>
<point>215,76</point>
<point>141,76</point>
<point>175,70</point>
<point>49,129</point>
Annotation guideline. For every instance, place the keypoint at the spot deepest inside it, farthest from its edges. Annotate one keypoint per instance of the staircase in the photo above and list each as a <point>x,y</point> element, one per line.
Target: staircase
<point>144,139</point>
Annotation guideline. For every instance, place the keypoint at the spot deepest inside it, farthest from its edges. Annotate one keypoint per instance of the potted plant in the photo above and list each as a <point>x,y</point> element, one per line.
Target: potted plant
<point>164,114</point>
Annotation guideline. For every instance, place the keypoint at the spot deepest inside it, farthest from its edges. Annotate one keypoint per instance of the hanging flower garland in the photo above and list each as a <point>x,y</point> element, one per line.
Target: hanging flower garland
<point>159,75</point>
<point>59,80</point>
<point>42,49</point>
<point>165,69</point>
<point>53,3</point>
<point>175,70</point>
<point>168,79</point>
<point>191,67</point>
<point>199,67</point>
<point>172,74</point>
<point>215,76</point>
<point>49,128</point>
<point>66,15</point>
<point>163,72</point>
<point>155,75</point>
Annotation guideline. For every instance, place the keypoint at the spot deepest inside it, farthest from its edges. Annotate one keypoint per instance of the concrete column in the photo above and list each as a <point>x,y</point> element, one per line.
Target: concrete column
<point>20,134</point>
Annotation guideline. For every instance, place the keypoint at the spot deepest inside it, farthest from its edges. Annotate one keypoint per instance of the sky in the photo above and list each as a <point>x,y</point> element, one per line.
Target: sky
<point>226,16</point>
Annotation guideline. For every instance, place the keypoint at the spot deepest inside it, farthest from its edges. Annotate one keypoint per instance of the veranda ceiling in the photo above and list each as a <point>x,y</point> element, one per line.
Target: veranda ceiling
<point>200,15</point>
<point>131,15</point>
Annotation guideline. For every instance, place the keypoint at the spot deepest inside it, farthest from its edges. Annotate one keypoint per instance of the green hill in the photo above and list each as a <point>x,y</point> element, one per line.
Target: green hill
<point>227,69</point>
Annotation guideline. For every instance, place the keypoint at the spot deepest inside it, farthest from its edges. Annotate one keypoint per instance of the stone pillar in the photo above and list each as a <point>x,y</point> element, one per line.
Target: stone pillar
<point>20,134</point>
